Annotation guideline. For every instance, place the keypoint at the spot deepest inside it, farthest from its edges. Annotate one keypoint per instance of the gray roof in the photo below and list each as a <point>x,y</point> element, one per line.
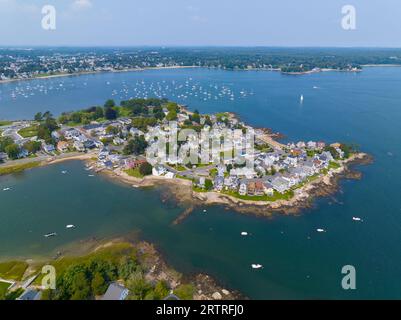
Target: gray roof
<point>30,294</point>
<point>115,291</point>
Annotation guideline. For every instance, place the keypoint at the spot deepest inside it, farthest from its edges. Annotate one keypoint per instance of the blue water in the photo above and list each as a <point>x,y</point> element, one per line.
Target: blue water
<point>362,108</point>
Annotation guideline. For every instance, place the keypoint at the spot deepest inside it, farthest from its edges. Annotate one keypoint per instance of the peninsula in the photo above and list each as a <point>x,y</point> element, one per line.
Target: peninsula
<point>117,140</point>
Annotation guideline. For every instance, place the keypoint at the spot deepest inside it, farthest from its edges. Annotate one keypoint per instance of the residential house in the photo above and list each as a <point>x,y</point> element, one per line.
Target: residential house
<point>116,292</point>
<point>62,146</point>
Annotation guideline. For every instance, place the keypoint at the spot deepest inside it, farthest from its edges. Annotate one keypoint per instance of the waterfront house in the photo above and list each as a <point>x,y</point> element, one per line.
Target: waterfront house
<point>242,189</point>
<point>62,146</point>
<point>49,148</point>
<point>280,184</point>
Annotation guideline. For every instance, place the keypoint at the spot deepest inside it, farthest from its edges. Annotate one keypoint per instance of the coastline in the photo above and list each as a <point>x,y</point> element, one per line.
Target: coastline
<point>96,72</point>
<point>303,198</point>
<point>151,259</point>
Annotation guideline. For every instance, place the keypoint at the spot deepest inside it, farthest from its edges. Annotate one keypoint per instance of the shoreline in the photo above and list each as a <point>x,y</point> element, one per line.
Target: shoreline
<point>63,75</point>
<point>206,287</point>
<point>303,198</point>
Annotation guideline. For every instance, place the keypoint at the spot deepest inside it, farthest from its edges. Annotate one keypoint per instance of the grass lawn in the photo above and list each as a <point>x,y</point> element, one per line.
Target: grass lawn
<point>276,196</point>
<point>134,173</point>
<point>29,132</point>
<point>13,270</point>
<point>18,168</point>
<point>3,288</point>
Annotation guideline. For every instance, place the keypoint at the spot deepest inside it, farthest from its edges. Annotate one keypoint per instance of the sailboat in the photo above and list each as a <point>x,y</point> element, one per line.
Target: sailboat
<point>302,98</point>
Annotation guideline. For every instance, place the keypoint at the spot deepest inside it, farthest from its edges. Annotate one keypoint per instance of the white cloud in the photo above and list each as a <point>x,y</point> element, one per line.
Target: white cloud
<point>82,4</point>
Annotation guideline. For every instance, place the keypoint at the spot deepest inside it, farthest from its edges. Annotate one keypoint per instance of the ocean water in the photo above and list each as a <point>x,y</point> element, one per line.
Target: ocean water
<point>363,108</point>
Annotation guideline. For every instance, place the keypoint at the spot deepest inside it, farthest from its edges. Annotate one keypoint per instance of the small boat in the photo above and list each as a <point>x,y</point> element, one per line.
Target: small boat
<point>204,210</point>
<point>244,233</point>
<point>302,98</point>
<point>320,230</point>
<point>257,266</point>
<point>49,235</point>
<point>357,219</point>
<point>90,175</point>
<point>64,172</point>
<point>69,226</point>
<point>6,189</point>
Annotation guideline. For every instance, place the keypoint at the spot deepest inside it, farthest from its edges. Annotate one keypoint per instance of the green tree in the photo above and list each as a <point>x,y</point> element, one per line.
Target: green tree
<point>13,151</point>
<point>145,169</point>
<point>38,117</point>
<point>32,146</point>
<point>172,115</point>
<point>99,285</point>
<point>185,292</point>
<point>4,142</point>
<point>110,113</point>
<point>110,103</point>
<point>161,290</point>
<point>136,146</point>
<point>138,287</point>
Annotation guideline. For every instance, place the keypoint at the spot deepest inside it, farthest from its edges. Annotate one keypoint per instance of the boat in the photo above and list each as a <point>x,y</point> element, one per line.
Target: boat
<point>320,230</point>
<point>6,189</point>
<point>244,233</point>
<point>69,226</point>
<point>257,266</point>
<point>90,175</point>
<point>204,210</point>
<point>49,235</point>
<point>357,219</point>
<point>302,98</point>
<point>63,172</point>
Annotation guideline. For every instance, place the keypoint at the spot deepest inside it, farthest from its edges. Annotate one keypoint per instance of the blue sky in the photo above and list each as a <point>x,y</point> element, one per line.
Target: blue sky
<point>201,22</point>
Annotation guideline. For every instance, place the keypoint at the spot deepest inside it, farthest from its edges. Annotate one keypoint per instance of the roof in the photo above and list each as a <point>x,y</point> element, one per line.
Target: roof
<point>30,294</point>
<point>115,291</point>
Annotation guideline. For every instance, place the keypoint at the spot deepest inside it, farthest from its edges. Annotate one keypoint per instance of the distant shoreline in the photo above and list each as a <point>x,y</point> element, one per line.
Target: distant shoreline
<point>63,75</point>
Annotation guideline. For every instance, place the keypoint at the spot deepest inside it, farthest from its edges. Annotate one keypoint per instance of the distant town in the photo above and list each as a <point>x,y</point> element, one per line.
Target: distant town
<point>29,63</point>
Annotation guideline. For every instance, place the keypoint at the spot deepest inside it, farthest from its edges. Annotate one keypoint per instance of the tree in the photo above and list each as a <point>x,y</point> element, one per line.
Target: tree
<point>13,151</point>
<point>38,116</point>
<point>136,146</point>
<point>4,142</point>
<point>208,184</point>
<point>110,113</point>
<point>32,146</point>
<point>99,286</point>
<point>109,104</point>
<point>112,130</point>
<point>172,115</point>
<point>145,169</point>
<point>138,286</point>
<point>161,290</point>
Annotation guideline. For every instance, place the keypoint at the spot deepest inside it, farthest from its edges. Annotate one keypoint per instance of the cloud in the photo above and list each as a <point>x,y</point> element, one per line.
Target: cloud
<point>82,4</point>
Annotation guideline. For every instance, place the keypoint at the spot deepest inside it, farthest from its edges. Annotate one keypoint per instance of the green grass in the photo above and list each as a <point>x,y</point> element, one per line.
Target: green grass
<point>14,294</point>
<point>134,173</point>
<point>276,196</point>
<point>5,123</point>
<point>18,168</point>
<point>3,288</point>
<point>29,132</point>
<point>183,177</point>
<point>334,165</point>
<point>13,270</point>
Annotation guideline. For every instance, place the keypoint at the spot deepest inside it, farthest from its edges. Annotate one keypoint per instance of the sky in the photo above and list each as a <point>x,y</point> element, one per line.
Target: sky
<point>201,23</point>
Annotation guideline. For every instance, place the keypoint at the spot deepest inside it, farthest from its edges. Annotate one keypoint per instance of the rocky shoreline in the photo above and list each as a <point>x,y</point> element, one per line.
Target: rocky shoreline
<point>304,197</point>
